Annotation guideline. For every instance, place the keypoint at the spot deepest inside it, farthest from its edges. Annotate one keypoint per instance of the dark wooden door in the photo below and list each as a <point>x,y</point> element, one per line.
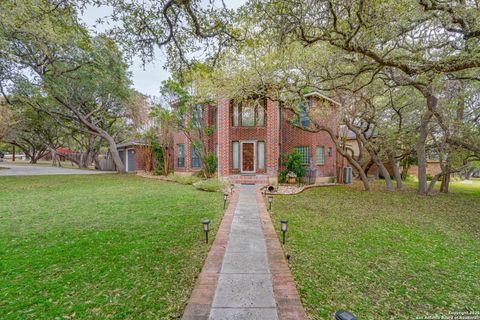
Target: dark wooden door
<point>247,156</point>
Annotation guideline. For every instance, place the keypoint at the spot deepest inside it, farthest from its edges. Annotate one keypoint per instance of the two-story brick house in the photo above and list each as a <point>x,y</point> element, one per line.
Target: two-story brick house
<point>250,137</point>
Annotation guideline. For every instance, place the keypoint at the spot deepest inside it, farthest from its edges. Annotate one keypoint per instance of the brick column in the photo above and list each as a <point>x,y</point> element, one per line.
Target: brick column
<point>224,143</point>
<point>273,139</point>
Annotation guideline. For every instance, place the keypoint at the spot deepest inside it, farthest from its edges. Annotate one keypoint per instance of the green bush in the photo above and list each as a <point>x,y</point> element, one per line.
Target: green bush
<point>184,178</point>
<point>211,185</point>
<point>210,161</point>
<point>410,178</point>
<point>292,163</point>
<point>157,153</point>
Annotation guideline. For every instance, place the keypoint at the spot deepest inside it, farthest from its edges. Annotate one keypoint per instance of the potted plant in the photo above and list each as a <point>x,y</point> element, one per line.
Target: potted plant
<point>291,177</point>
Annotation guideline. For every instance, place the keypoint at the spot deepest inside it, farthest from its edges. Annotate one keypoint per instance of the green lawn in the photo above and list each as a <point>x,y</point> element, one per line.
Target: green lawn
<point>100,246</point>
<point>384,255</point>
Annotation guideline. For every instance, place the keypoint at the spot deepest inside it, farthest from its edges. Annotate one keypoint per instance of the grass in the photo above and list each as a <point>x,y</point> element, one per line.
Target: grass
<point>211,185</point>
<point>185,179</point>
<point>384,255</point>
<point>100,246</point>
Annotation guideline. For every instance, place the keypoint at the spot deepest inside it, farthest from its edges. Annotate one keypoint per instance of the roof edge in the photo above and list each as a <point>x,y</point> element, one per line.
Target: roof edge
<point>318,94</point>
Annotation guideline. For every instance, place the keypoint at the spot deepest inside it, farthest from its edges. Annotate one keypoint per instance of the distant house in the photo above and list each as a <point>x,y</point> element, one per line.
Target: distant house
<point>250,136</point>
<point>135,155</point>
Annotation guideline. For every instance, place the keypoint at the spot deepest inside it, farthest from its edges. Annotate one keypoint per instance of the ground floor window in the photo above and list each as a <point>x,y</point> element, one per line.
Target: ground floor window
<point>305,153</point>
<point>195,158</point>
<point>180,155</point>
<point>235,155</point>
<point>320,155</point>
<point>261,155</point>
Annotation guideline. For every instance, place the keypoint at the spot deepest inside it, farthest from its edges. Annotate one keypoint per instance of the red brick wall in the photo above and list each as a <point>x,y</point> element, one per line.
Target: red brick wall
<point>224,144</point>
<point>292,137</point>
<point>142,155</point>
<point>273,138</point>
<point>273,133</point>
<point>209,114</point>
<point>433,167</point>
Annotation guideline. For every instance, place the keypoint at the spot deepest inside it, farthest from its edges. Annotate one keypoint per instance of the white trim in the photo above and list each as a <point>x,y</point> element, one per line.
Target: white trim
<point>318,94</point>
<point>254,156</point>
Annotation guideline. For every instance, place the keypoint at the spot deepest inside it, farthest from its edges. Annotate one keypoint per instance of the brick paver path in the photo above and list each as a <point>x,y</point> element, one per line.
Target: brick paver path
<point>246,275</point>
<point>244,289</point>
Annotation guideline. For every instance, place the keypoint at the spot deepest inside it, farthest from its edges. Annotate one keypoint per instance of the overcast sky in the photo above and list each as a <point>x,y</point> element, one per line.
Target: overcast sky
<point>146,79</point>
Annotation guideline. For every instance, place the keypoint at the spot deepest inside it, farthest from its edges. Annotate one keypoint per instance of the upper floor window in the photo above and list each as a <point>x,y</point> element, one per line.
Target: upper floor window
<point>305,153</point>
<point>197,115</point>
<point>249,113</point>
<point>304,120</point>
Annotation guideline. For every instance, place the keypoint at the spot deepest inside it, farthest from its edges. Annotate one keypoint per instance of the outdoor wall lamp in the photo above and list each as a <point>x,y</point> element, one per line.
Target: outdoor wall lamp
<point>283,228</point>
<point>225,197</point>
<point>344,315</point>
<point>206,228</point>
<point>270,200</point>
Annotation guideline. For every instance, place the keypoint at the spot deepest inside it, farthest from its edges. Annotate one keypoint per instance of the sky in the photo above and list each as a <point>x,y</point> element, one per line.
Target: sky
<point>146,78</point>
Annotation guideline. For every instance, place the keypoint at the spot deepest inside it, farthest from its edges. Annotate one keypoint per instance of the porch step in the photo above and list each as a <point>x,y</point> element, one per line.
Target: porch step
<point>248,179</point>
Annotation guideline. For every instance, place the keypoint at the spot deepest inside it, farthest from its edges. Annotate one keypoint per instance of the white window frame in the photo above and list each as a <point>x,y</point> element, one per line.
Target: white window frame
<point>258,156</point>
<point>236,145</point>
<point>317,158</point>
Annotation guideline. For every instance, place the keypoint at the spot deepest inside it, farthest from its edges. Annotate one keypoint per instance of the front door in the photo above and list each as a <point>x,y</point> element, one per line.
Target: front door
<point>248,157</point>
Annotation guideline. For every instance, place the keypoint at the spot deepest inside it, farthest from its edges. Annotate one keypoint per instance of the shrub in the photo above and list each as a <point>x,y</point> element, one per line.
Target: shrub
<point>211,185</point>
<point>210,162</point>
<point>292,163</point>
<point>157,154</point>
<point>410,178</point>
<point>184,178</point>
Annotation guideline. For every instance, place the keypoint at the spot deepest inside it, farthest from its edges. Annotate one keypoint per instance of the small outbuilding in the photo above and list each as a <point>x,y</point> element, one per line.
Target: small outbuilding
<point>136,155</point>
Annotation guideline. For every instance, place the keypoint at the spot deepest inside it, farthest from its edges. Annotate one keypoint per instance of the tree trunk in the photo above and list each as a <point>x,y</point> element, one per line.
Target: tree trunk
<point>396,172</point>
<point>431,187</point>
<point>386,175</point>
<point>445,183</point>
<point>112,146</point>
<point>55,163</point>
<point>367,166</point>
<point>421,153</point>
<point>13,154</point>
<point>373,155</point>
<point>33,158</point>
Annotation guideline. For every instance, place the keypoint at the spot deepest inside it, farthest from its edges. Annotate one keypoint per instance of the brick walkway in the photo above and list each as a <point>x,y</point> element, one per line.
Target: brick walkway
<point>245,275</point>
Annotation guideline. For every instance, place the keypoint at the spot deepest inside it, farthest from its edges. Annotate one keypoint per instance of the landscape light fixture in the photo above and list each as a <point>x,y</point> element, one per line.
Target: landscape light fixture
<point>344,315</point>
<point>231,188</point>
<point>206,228</point>
<point>283,228</point>
<point>270,200</point>
<point>225,197</point>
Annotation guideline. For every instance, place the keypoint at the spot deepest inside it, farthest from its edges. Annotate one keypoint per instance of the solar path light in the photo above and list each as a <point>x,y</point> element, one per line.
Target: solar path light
<point>206,228</point>
<point>344,315</point>
<point>283,228</point>
<point>225,197</point>
<point>270,200</point>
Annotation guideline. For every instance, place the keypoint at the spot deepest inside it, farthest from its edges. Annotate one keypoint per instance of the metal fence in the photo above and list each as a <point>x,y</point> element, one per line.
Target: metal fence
<point>309,176</point>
